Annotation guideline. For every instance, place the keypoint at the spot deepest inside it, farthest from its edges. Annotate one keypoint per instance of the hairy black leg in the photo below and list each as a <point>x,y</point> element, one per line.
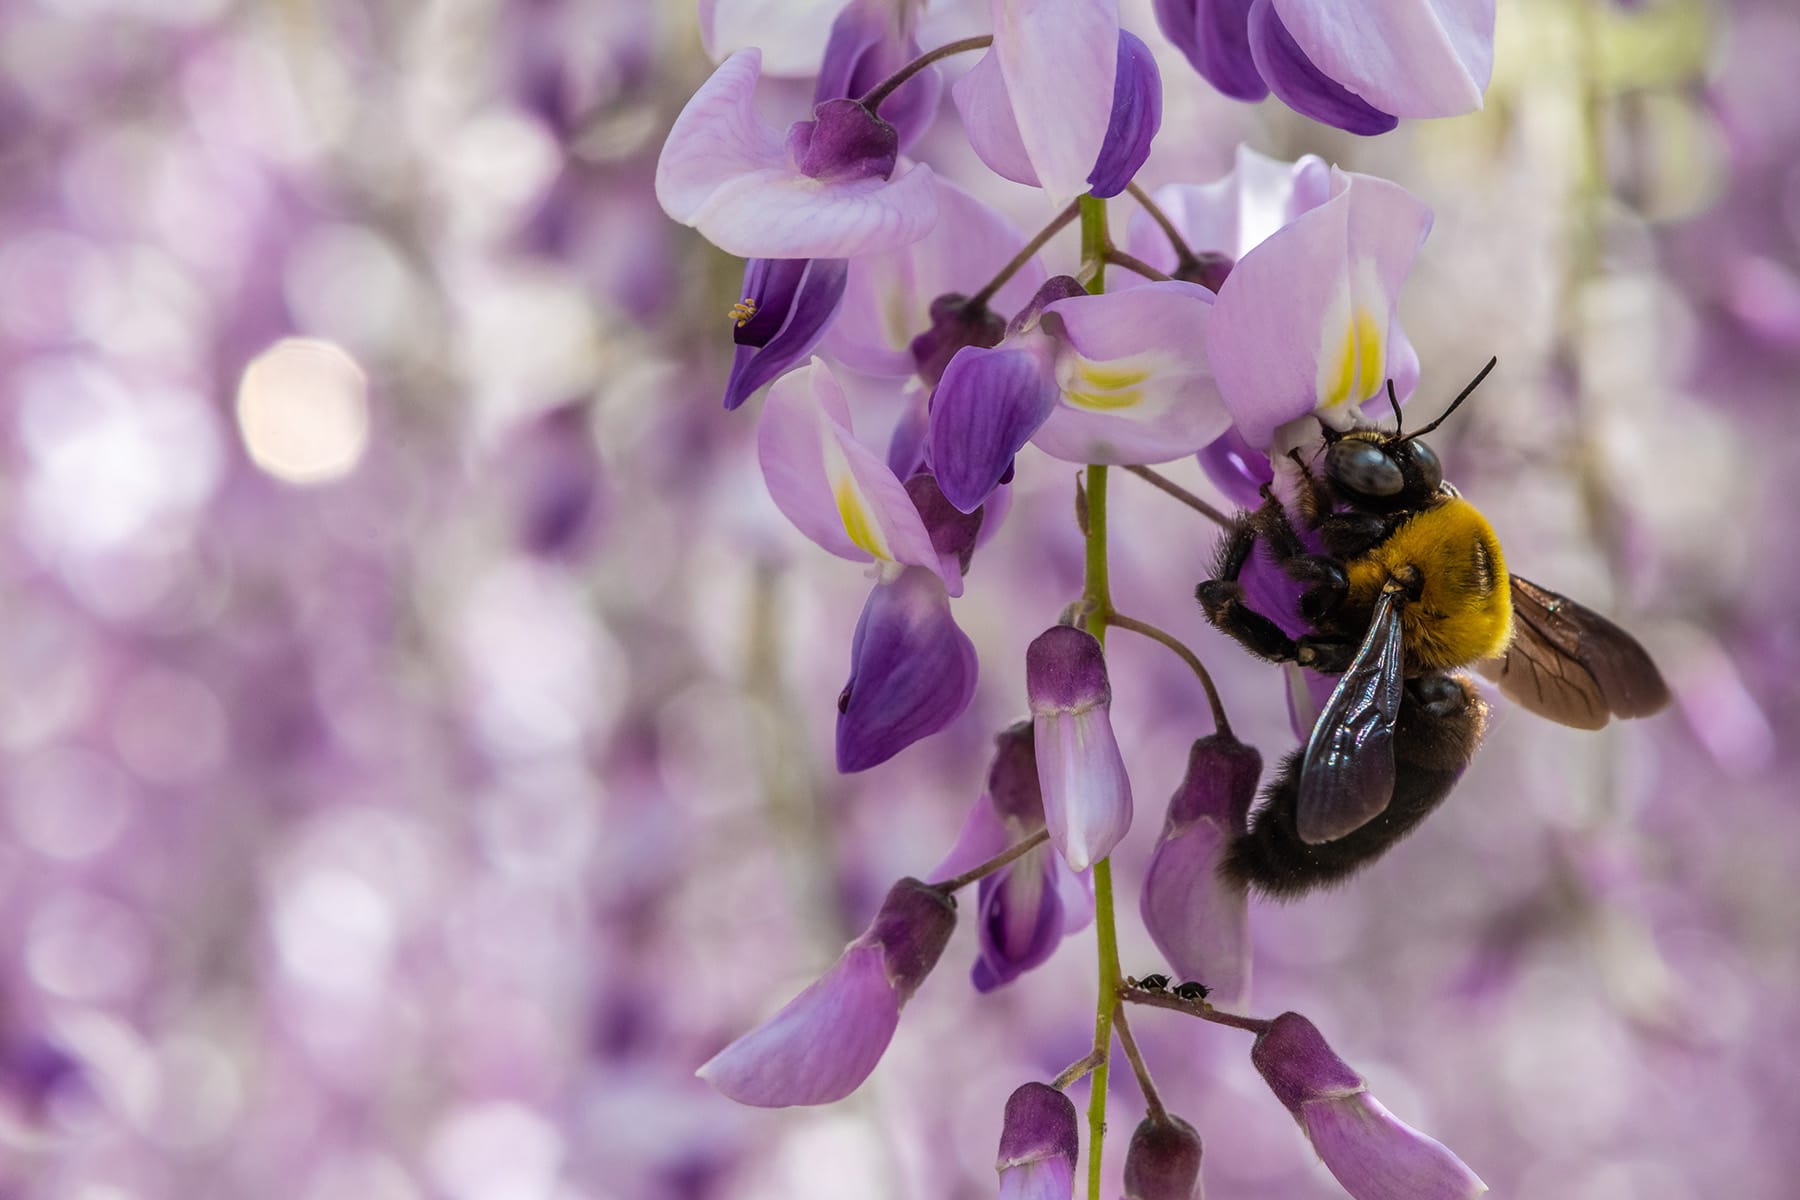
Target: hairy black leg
<point>1326,655</point>
<point>1222,596</point>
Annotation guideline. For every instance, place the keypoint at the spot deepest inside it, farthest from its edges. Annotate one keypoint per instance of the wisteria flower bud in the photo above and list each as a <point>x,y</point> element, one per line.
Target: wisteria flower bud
<point>787,304</point>
<point>1198,918</point>
<point>912,671</point>
<point>953,532</point>
<point>955,323</point>
<point>1039,1143</point>
<point>1163,1161</point>
<point>844,142</point>
<point>1371,1152</point>
<point>828,1039</point>
<point>1087,796</point>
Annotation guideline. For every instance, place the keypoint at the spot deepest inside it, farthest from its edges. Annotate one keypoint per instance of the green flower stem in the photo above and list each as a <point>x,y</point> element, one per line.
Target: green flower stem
<point>1097,604</point>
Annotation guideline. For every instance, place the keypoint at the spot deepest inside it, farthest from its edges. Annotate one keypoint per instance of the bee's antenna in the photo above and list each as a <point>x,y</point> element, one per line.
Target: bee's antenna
<point>1460,397</point>
<point>1395,401</point>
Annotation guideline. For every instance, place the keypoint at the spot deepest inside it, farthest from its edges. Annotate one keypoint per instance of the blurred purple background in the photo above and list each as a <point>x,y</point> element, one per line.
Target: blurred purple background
<point>415,728</point>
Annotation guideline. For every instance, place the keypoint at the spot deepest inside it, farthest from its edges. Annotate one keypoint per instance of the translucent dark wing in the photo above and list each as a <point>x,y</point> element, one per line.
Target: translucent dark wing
<point>1347,777</point>
<point>1571,664</point>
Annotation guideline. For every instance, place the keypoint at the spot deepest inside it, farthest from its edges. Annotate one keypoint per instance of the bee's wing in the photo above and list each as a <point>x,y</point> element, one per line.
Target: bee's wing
<point>1347,777</point>
<point>1571,664</point>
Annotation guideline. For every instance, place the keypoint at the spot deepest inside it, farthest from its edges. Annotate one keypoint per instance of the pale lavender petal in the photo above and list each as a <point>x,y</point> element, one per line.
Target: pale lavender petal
<point>1301,85</point>
<point>1303,323</point>
<point>1075,892</point>
<point>1377,1156</point>
<point>1087,796</point>
<point>1215,37</point>
<point>717,139</point>
<point>821,1046</point>
<point>1235,213</point>
<point>987,114</point>
<point>1197,917</point>
<point>787,324</point>
<point>912,671</point>
<point>986,407</point>
<point>834,489</point>
<point>1427,58</point>
<point>1040,1140</point>
<point>792,34</point>
<point>780,213</point>
<point>1136,117</point>
<point>1134,380</point>
<point>1059,59</point>
<point>982,837</point>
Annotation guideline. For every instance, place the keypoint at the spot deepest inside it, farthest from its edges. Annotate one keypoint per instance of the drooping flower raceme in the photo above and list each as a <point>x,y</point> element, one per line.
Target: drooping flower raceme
<point>1357,64</point>
<point>1371,1152</point>
<point>827,1040</point>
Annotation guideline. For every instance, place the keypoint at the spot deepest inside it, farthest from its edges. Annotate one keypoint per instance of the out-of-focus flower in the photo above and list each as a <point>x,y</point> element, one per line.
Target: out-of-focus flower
<point>1029,905</point>
<point>891,297</point>
<point>790,34</point>
<point>787,305</point>
<point>1116,378</point>
<point>1039,103</point>
<point>1039,1143</point>
<point>912,671</point>
<point>1086,794</point>
<point>870,41</point>
<point>552,471</point>
<point>1371,1152</point>
<point>828,1039</point>
<point>834,489</point>
<point>1357,64</point>
<point>1163,1160</point>
<point>828,190</point>
<point>1198,919</point>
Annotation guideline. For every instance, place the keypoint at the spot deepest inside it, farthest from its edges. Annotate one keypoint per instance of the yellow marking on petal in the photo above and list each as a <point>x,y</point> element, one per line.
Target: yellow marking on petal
<point>1105,387</point>
<point>1371,360</point>
<point>858,522</point>
<point>742,311</point>
<point>1343,373</point>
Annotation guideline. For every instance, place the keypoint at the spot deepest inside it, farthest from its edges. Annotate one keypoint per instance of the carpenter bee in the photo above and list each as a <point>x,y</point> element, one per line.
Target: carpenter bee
<point>1410,589</point>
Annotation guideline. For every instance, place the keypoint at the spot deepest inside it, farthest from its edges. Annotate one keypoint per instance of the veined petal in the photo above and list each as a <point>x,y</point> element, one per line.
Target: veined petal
<point>717,138</point>
<point>986,407</point>
<point>791,33</point>
<point>1299,82</point>
<point>834,489</point>
<point>1133,377</point>
<point>822,1045</point>
<point>987,114</point>
<point>780,213</point>
<point>1136,117</point>
<point>1059,59</point>
<point>1215,37</point>
<point>912,671</point>
<point>1423,58</point>
<point>1302,323</point>
<point>1377,1156</point>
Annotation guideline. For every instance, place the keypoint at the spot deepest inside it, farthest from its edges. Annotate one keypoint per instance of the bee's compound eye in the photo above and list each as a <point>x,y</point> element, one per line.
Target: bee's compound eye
<point>1430,469</point>
<point>1363,467</point>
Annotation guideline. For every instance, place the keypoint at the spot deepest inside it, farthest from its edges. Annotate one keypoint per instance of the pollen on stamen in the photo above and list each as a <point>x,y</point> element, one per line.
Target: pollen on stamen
<point>742,311</point>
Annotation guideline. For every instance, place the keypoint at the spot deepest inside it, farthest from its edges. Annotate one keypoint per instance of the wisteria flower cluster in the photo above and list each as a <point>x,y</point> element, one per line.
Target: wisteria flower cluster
<point>1240,312</point>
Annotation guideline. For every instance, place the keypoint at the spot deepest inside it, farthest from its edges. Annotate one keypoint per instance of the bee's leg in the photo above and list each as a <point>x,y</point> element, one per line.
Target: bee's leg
<point>1222,596</point>
<point>1326,583</point>
<point>1326,655</point>
<point>1313,498</point>
<point>1354,534</point>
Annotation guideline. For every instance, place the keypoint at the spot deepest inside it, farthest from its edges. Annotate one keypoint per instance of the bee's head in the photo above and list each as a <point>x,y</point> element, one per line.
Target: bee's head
<point>1379,471</point>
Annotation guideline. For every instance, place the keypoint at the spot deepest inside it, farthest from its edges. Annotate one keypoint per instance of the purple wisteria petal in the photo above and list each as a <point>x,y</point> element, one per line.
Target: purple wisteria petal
<point>1087,796</point>
<point>834,489</point>
<point>1372,1153</point>
<point>1136,117</point>
<point>870,40</point>
<point>954,533</point>
<point>1236,468</point>
<point>1303,324</point>
<point>826,1041</point>
<point>1234,213</point>
<point>1215,37</point>
<point>821,1046</point>
<point>1163,1161</point>
<point>1301,85</point>
<point>727,173</point>
<point>1133,376</point>
<point>1019,916</point>
<point>987,406</point>
<point>1059,59</point>
<point>988,121</point>
<point>795,300</point>
<point>1199,919</point>
<point>982,837</point>
<point>896,297</point>
<point>1426,59</point>
<point>791,35</point>
<point>912,671</point>
<point>1039,1143</point>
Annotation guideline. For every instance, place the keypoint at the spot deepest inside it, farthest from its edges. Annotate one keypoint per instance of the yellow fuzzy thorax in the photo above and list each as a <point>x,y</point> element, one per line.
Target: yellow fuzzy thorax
<point>1464,613</point>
